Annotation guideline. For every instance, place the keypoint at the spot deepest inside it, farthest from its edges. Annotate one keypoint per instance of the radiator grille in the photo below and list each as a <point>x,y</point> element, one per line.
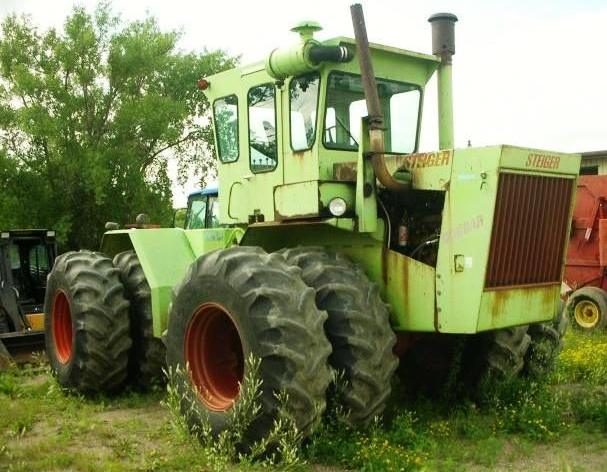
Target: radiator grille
<point>529,230</point>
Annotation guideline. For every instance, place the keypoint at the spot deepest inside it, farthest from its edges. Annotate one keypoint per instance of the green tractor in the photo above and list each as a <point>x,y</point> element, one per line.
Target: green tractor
<point>340,247</point>
<point>203,209</point>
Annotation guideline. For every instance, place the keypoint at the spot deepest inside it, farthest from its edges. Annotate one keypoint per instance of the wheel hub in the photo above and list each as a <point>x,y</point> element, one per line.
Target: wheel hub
<point>61,327</point>
<point>214,353</point>
<point>586,314</point>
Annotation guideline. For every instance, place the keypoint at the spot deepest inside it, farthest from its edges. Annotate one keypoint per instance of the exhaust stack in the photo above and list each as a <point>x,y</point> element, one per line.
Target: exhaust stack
<point>443,45</point>
<point>374,111</point>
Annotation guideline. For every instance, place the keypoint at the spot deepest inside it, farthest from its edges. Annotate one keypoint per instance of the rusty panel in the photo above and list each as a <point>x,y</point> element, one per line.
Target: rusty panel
<point>584,266</point>
<point>603,242</point>
<point>529,230</point>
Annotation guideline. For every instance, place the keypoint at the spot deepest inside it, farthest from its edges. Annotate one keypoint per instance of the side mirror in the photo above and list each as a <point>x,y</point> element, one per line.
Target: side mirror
<point>179,217</point>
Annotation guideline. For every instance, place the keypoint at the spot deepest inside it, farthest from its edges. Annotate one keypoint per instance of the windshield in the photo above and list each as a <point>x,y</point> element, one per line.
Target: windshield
<point>346,106</point>
<point>196,213</point>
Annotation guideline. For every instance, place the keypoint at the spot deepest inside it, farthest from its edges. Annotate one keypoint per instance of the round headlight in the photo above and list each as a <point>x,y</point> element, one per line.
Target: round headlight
<point>337,206</point>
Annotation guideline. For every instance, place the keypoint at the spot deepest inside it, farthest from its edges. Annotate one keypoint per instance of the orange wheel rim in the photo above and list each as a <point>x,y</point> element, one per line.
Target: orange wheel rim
<point>61,327</point>
<point>214,353</point>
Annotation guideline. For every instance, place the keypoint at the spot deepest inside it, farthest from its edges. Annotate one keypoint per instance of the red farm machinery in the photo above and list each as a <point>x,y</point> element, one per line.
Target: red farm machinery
<point>585,279</point>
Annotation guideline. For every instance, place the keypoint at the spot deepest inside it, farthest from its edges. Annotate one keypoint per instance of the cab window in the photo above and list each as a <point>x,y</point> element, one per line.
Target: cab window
<point>263,152</point>
<point>303,98</point>
<point>225,111</point>
<point>197,210</point>
<point>346,106</point>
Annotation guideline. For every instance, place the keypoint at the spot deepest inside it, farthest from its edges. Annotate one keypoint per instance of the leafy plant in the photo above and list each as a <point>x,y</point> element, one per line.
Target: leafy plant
<point>280,447</point>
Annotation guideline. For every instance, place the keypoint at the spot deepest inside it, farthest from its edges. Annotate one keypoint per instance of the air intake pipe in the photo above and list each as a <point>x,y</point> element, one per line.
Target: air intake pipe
<point>306,56</point>
<point>443,45</point>
<point>374,111</point>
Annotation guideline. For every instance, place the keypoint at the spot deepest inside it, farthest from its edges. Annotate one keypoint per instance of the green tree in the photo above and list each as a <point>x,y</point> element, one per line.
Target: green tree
<point>88,118</point>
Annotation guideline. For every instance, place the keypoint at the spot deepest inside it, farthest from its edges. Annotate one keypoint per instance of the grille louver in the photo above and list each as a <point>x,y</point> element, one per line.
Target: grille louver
<point>529,230</point>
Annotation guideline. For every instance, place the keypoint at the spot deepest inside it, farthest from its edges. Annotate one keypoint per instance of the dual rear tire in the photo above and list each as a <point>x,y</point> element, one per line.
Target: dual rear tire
<point>95,339</point>
<point>303,313</point>
<point>239,304</point>
<point>87,323</point>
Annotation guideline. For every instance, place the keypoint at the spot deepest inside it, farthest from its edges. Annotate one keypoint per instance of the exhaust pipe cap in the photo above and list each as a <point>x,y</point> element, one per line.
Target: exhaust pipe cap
<point>443,35</point>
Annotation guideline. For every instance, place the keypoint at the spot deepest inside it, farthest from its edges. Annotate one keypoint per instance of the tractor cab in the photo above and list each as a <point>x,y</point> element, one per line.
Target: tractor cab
<point>203,209</point>
<point>288,130</point>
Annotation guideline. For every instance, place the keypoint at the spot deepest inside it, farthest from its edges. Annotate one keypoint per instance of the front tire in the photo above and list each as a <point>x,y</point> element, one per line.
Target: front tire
<point>86,323</point>
<point>358,328</point>
<point>236,303</point>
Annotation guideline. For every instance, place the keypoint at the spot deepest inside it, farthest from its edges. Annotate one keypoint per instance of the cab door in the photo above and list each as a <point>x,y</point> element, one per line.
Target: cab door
<point>264,150</point>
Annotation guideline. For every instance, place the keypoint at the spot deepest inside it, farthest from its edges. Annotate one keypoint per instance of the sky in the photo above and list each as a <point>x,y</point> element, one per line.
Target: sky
<point>529,73</point>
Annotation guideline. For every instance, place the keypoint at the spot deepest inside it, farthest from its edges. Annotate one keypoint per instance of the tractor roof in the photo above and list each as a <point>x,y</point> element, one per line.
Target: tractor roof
<point>204,191</point>
<point>431,62</point>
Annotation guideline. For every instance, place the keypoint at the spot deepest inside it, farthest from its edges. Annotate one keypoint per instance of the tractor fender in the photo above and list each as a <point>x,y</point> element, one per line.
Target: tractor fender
<point>165,255</point>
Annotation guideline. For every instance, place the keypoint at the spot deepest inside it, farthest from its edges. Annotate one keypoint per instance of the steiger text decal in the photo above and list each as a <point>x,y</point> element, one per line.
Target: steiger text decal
<point>428,159</point>
<point>542,161</point>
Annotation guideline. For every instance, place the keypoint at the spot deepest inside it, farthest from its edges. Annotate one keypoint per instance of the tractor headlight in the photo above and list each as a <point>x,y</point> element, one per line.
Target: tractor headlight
<point>337,206</point>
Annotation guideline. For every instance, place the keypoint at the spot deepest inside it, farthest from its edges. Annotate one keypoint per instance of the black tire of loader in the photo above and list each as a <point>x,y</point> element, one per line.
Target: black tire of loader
<point>148,355</point>
<point>5,326</point>
<point>100,322</point>
<point>546,345</point>
<point>277,322</point>
<point>358,328</point>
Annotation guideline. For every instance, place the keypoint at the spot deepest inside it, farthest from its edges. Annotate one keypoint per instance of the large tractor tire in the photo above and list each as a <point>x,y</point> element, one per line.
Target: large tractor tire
<point>587,308</point>
<point>358,328</point>
<point>241,302</point>
<point>546,345</point>
<point>147,355</point>
<point>493,357</point>
<point>87,323</point>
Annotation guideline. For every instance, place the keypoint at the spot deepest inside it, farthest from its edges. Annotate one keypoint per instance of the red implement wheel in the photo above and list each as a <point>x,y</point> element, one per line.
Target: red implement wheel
<point>587,308</point>
<point>213,350</point>
<point>61,327</point>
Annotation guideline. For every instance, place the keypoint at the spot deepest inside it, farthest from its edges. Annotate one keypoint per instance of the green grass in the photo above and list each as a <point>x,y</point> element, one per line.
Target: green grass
<point>523,417</point>
<point>559,425</point>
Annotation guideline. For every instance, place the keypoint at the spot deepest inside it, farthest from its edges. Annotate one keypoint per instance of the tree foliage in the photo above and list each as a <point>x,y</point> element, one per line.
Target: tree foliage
<point>89,117</point>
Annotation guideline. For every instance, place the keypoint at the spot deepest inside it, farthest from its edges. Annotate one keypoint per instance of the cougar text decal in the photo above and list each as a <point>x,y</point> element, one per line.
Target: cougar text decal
<point>462,229</point>
<point>543,161</point>
<point>428,159</point>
